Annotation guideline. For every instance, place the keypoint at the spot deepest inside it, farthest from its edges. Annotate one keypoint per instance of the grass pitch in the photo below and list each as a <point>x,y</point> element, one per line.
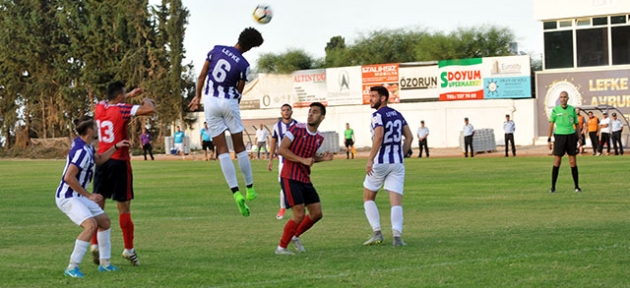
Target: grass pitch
<point>482,222</point>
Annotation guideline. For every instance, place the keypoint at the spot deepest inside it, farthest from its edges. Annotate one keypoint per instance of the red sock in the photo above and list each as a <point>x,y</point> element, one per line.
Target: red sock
<point>126,225</point>
<point>306,224</point>
<point>289,231</point>
<point>94,239</point>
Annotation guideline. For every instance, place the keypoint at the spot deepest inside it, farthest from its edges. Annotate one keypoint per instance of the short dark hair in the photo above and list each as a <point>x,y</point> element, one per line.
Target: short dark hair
<point>286,105</point>
<point>382,91</point>
<point>114,89</point>
<point>82,124</point>
<point>250,38</point>
<point>320,105</point>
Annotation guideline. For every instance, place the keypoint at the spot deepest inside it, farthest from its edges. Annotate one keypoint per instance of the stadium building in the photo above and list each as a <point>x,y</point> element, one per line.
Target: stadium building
<point>586,52</point>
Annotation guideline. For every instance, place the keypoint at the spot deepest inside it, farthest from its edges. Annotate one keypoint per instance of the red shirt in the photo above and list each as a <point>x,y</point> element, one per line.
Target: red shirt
<point>112,120</point>
<point>305,145</point>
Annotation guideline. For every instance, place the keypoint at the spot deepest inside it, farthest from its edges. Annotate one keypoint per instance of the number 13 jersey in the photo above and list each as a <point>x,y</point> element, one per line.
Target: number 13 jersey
<point>112,120</point>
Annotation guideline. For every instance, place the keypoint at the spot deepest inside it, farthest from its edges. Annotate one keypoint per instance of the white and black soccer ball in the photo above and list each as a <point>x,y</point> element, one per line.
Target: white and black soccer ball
<point>263,14</point>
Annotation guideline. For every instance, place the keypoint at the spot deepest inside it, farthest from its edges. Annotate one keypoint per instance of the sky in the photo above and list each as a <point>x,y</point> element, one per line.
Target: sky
<point>309,25</point>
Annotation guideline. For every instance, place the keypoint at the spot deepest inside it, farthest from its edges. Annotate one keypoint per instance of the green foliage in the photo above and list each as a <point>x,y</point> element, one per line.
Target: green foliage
<point>292,60</point>
<point>485,222</point>
<point>70,50</point>
<point>396,46</point>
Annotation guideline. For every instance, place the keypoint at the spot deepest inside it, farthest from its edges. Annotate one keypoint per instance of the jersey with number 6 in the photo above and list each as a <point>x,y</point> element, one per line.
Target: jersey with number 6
<point>391,147</point>
<point>112,120</point>
<point>227,67</point>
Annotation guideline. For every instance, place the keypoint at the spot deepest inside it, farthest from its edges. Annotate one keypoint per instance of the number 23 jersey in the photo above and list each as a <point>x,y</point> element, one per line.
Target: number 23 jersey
<point>391,146</point>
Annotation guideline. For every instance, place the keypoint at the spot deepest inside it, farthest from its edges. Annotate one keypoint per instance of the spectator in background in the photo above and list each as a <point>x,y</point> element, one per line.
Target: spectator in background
<point>592,125</point>
<point>617,128</point>
<point>469,131</point>
<point>145,139</point>
<point>604,134</point>
<point>206,142</point>
<point>261,140</point>
<point>508,128</point>
<point>423,133</point>
<point>179,141</point>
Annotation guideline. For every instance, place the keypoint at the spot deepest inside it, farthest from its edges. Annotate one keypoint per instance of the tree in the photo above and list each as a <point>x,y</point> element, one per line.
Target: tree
<point>291,60</point>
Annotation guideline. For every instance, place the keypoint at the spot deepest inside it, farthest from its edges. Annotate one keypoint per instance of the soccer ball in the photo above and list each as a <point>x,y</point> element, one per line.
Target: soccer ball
<point>263,14</point>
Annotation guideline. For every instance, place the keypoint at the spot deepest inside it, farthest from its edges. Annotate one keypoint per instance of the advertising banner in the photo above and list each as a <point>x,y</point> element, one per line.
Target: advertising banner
<point>507,77</point>
<point>418,83</point>
<point>309,86</point>
<point>343,86</point>
<point>385,75</point>
<point>460,79</point>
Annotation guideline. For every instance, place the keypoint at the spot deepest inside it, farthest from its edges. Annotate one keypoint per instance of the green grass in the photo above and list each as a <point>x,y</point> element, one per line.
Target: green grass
<point>483,222</point>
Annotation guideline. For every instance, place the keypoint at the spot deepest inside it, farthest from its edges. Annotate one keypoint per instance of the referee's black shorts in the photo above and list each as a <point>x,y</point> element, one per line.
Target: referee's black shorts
<point>565,144</point>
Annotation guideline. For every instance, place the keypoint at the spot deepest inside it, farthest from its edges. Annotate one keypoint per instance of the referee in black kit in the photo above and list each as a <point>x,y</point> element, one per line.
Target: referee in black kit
<point>508,127</point>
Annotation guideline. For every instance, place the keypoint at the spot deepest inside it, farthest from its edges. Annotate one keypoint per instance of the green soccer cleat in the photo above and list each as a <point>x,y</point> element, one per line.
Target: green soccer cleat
<point>240,202</point>
<point>251,194</point>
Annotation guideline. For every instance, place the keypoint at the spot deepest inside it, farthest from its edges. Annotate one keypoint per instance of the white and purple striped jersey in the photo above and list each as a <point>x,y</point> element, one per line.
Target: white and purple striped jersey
<point>81,155</point>
<point>227,67</point>
<point>391,147</point>
<point>279,129</point>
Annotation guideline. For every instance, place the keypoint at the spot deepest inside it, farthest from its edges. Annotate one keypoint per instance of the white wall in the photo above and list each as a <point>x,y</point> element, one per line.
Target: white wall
<point>563,9</point>
<point>444,119</point>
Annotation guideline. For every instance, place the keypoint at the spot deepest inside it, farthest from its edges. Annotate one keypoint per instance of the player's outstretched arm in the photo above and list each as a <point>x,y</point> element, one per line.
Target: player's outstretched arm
<point>194,103</point>
<point>147,107</point>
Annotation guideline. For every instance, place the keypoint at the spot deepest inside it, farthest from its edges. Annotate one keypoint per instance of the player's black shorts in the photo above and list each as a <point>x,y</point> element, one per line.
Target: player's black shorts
<point>113,179</point>
<point>565,144</point>
<point>349,142</point>
<point>296,192</point>
<point>207,145</point>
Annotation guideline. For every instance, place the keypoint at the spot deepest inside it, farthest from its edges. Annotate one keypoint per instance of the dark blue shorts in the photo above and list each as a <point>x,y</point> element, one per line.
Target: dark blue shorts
<point>296,192</point>
<point>113,179</point>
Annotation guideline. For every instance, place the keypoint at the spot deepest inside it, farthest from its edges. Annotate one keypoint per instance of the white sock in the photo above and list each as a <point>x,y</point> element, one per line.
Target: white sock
<point>80,247</point>
<point>371,212</point>
<point>282,205</point>
<point>104,244</point>
<point>229,172</point>
<point>246,167</point>
<point>397,220</point>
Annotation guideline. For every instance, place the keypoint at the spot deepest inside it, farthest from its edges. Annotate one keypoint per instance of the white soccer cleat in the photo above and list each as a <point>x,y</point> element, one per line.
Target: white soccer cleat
<point>298,244</point>
<point>132,257</point>
<point>283,251</point>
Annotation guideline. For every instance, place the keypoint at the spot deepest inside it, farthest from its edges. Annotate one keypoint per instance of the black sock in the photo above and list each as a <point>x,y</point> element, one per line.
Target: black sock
<point>554,176</point>
<point>574,172</point>
<point>234,189</point>
<point>250,185</point>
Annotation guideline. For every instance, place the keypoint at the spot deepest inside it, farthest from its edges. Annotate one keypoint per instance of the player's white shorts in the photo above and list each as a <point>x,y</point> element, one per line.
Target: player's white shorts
<point>280,164</point>
<point>222,114</point>
<point>392,175</point>
<point>179,147</point>
<point>79,209</point>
